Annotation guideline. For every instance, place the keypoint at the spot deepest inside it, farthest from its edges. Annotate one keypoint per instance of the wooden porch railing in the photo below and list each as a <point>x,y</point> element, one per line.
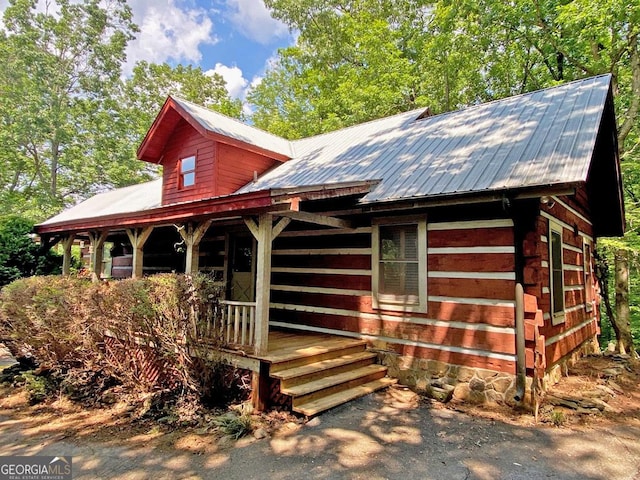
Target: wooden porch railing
<point>238,322</point>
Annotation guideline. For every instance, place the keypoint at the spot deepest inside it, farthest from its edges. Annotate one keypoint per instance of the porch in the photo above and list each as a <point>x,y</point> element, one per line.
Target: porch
<point>306,372</point>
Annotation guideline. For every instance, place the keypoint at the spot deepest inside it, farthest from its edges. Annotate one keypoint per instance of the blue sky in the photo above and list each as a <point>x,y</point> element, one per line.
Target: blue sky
<point>236,38</point>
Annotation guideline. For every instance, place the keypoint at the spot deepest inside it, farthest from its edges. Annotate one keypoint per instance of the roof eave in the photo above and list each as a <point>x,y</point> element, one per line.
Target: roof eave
<point>170,103</point>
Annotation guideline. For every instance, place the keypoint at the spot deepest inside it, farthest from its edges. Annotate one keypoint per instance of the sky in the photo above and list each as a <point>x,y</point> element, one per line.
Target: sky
<point>235,38</point>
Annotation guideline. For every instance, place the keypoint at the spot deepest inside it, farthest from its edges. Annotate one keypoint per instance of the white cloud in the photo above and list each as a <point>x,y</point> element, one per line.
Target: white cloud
<point>168,32</point>
<point>253,20</point>
<point>236,83</point>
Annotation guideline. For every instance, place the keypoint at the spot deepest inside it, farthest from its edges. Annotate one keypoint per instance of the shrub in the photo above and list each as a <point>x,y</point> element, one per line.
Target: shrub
<point>151,323</point>
<point>44,317</point>
<point>20,256</point>
<point>236,426</point>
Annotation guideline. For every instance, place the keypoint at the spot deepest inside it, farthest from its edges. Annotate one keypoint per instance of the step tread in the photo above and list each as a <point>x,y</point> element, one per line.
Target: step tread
<point>287,355</point>
<point>322,365</point>
<point>332,380</point>
<point>325,403</point>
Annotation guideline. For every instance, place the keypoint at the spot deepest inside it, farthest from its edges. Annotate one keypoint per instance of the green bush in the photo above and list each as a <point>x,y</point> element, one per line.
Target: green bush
<point>20,256</point>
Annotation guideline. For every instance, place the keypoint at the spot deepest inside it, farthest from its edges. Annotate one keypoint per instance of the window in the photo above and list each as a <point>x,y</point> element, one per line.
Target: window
<point>399,264</point>
<point>588,275</point>
<point>188,171</point>
<point>557,273</point>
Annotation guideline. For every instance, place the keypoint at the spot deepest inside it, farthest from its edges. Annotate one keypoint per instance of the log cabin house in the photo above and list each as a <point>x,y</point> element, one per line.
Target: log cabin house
<point>455,247</point>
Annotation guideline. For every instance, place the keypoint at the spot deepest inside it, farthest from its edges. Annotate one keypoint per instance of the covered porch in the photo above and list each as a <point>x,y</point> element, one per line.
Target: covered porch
<point>231,239</point>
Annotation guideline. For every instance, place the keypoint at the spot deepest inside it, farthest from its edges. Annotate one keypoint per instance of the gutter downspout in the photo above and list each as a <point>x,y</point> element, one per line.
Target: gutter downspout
<point>521,369</point>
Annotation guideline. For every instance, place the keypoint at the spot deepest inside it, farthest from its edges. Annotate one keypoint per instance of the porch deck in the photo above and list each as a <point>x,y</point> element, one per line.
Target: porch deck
<point>288,345</point>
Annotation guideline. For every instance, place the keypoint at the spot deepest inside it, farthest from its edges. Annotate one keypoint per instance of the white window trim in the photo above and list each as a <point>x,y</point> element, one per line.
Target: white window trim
<point>399,303</point>
<point>182,173</point>
<point>558,317</point>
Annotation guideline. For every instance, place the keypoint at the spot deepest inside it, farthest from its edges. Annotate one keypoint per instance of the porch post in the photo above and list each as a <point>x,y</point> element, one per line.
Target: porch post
<point>97,240</point>
<point>192,237</point>
<point>263,282</point>
<point>67,243</point>
<point>138,237</point>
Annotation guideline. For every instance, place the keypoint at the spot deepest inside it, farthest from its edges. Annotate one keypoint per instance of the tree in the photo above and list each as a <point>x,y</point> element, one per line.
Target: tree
<point>59,68</point>
<point>69,123</point>
<point>145,91</point>
<point>20,256</point>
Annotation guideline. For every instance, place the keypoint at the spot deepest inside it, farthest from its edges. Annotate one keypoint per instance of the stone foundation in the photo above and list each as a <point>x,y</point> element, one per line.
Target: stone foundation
<point>474,385</point>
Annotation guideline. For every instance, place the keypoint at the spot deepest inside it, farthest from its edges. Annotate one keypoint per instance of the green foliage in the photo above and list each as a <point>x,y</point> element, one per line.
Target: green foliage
<point>69,124</point>
<point>363,59</point>
<point>236,426</point>
<point>59,68</point>
<point>557,418</point>
<point>20,256</point>
<point>38,387</point>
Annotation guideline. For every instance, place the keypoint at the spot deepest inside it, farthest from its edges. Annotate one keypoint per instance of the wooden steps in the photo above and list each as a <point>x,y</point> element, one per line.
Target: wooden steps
<point>325,403</point>
<point>325,373</point>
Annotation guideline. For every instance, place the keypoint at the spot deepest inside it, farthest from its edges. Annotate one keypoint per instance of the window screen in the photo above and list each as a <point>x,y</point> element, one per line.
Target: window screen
<point>399,261</point>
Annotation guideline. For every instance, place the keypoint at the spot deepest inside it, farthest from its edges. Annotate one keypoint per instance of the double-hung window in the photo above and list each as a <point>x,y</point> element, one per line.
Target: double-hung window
<point>399,264</point>
<point>556,277</point>
<point>188,171</point>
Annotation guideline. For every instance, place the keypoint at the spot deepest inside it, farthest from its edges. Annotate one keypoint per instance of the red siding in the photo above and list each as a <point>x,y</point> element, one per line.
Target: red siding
<point>560,340</point>
<point>186,141</point>
<point>236,167</point>
<point>220,169</point>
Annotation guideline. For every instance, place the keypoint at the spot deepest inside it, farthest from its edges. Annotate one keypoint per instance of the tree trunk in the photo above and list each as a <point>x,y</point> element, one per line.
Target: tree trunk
<point>622,320</point>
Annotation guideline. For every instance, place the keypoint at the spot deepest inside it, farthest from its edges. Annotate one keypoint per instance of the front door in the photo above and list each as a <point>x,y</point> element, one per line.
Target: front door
<point>242,269</point>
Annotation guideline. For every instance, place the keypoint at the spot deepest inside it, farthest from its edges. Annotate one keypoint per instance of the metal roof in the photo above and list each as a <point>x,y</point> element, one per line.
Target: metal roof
<point>541,138</point>
<point>135,198</point>
<point>232,128</point>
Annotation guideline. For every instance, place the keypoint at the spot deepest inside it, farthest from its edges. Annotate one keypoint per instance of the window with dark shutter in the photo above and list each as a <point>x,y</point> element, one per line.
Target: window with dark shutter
<point>399,269</point>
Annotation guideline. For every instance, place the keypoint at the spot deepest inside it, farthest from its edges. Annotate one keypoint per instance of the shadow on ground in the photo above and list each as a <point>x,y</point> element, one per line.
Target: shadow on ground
<point>386,435</point>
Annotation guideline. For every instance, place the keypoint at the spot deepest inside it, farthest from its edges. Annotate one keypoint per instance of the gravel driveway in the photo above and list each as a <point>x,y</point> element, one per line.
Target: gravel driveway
<point>376,437</point>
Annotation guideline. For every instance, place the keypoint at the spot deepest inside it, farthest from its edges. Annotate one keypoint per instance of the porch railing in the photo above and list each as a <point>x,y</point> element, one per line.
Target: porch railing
<point>237,322</point>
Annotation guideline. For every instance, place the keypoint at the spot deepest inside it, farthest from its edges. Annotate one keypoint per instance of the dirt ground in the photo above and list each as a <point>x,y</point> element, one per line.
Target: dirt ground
<point>388,435</point>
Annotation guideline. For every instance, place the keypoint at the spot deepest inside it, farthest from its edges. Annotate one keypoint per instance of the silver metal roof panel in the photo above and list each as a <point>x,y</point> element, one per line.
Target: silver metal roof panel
<point>540,138</point>
<point>135,198</point>
<point>232,128</point>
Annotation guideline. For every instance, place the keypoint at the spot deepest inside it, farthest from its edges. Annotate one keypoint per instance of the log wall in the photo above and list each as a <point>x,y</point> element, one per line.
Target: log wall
<point>581,316</point>
<point>321,281</point>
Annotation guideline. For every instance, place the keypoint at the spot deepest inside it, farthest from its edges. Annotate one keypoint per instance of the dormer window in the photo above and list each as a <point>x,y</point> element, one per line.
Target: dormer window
<point>188,171</point>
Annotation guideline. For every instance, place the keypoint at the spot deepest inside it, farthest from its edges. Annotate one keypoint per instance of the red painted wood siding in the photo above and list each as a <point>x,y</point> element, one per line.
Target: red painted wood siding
<point>186,141</point>
<point>220,169</point>
<point>468,321</point>
<point>579,324</point>
<point>236,167</point>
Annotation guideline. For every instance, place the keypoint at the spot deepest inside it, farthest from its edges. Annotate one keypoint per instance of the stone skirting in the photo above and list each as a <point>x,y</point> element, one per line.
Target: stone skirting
<point>474,385</point>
